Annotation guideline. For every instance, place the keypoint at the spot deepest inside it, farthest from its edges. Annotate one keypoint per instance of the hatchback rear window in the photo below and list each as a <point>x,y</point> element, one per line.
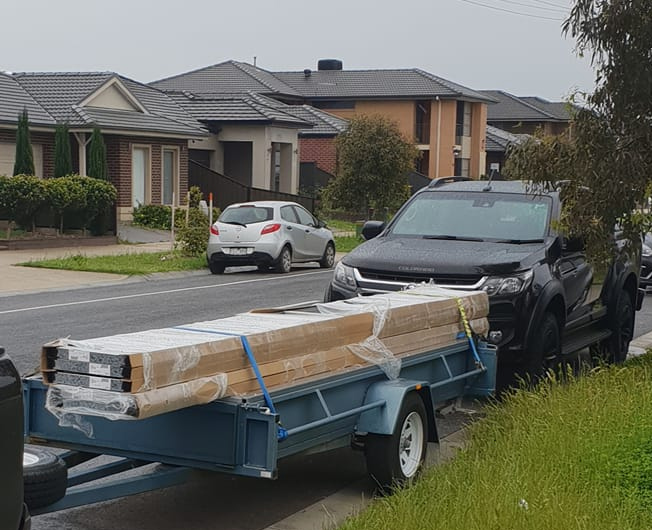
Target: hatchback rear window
<point>246,215</point>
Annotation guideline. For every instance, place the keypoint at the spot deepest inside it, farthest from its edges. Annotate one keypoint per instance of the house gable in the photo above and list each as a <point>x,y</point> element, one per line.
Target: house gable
<point>113,95</point>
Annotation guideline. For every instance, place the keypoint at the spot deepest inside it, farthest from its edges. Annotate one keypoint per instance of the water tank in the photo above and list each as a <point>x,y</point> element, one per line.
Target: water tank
<point>329,64</point>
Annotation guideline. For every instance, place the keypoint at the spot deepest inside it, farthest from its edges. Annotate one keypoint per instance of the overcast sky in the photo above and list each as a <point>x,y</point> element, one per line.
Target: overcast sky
<point>460,40</point>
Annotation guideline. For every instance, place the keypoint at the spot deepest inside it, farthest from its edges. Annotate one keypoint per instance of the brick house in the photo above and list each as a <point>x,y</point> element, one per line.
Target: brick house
<point>262,133</point>
<point>445,120</point>
<point>146,133</point>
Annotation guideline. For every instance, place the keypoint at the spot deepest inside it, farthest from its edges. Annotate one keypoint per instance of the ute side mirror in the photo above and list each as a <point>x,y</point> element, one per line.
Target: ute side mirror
<point>573,244</point>
<point>372,228</point>
<point>553,253</point>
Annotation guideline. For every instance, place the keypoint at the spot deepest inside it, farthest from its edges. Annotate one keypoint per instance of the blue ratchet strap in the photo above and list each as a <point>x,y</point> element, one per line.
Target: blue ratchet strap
<point>282,433</point>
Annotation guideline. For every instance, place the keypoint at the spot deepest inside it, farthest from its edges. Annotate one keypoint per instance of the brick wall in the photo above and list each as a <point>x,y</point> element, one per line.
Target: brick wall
<point>45,139</point>
<point>119,149</point>
<point>321,151</point>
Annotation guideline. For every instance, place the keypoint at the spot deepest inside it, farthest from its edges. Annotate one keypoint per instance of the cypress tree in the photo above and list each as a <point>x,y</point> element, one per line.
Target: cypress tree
<point>24,164</point>
<point>62,157</point>
<point>97,166</point>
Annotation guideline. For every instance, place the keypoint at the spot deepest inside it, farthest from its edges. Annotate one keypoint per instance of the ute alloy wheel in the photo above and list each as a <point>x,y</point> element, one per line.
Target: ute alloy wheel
<point>545,350</point>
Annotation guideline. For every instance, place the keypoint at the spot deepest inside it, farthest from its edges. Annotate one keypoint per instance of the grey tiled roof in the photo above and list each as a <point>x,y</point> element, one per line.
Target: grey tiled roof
<point>411,83</point>
<point>229,77</point>
<point>559,109</point>
<point>514,108</point>
<point>252,108</point>
<point>14,98</point>
<point>499,140</point>
<point>60,93</point>
<point>323,123</point>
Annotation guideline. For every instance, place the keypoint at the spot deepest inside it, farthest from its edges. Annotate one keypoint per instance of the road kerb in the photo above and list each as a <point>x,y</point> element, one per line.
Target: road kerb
<point>352,499</point>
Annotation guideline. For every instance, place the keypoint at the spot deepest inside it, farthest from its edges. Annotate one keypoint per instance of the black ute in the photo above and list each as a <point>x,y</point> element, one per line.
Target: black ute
<point>499,237</point>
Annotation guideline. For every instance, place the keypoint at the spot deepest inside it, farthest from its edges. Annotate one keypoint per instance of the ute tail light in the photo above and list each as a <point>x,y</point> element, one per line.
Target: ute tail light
<point>270,228</point>
<point>215,231</point>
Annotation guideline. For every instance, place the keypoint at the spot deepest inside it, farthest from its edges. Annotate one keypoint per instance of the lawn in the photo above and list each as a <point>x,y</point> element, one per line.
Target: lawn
<point>567,456</point>
<point>135,263</point>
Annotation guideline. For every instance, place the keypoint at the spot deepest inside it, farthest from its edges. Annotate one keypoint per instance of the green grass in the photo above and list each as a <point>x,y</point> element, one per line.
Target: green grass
<point>567,456</point>
<point>340,226</point>
<point>136,263</point>
<point>347,243</point>
<point>16,233</point>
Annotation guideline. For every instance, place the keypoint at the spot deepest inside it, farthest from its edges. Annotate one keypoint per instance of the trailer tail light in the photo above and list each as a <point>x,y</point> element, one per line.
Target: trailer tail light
<point>215,231</point>
<point>270,228</point>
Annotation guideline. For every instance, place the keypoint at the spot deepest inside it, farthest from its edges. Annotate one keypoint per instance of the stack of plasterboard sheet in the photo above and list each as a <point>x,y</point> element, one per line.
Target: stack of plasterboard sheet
<point>289,347</point>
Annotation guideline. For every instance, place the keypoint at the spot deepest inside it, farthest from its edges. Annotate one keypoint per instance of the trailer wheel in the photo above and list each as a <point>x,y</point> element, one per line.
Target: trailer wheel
<point>45,477</point>
<point>394,460</point>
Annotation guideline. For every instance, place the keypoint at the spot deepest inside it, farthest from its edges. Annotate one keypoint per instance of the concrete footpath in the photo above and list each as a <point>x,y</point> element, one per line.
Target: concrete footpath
<point>15,279</point>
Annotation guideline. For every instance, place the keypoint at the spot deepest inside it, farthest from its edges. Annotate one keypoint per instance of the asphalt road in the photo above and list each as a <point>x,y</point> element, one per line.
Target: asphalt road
<point>212,500</point>
<point>28,321</point>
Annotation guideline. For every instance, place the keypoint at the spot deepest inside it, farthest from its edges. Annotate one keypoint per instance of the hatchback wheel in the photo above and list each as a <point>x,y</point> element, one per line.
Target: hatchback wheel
<point>284,261</point>
<point>328,259</point>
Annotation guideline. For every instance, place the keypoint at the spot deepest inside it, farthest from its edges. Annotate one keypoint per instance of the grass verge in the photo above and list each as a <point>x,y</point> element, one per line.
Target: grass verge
<point>566,456</point>
<point>347,243</point>
<point>136,263</point>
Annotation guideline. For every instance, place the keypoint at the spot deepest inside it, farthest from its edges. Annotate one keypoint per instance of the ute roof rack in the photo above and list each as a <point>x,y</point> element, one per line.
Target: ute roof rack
<point>447,180</point>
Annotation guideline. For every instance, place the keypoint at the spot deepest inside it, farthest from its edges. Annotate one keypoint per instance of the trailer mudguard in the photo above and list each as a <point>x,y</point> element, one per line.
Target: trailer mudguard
<point>382,420</point>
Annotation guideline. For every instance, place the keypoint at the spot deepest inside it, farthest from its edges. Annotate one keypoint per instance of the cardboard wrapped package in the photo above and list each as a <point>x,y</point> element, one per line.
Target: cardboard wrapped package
<point>139,362</point>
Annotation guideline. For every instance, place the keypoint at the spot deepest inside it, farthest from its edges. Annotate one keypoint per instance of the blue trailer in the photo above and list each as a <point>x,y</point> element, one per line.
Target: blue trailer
<point>392,420</point>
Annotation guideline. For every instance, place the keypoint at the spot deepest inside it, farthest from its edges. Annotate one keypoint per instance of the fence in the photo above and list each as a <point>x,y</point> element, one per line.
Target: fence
<point>227,191</point>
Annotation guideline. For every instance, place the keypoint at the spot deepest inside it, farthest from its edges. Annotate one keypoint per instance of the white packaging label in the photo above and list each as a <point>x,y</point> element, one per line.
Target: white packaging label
<point>102,383</point>
<point>266,474</point>
<point>99,369</point>
<point>79,355</point>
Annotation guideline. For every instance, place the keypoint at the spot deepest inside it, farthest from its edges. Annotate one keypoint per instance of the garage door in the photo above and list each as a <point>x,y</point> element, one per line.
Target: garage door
<point>7,159</point>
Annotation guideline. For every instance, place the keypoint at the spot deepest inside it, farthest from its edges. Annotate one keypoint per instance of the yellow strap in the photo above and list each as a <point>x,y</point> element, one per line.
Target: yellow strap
<point>465,321</point>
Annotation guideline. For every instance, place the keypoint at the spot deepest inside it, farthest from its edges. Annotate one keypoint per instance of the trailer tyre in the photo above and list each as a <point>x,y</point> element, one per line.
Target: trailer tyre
<point>394,460</point>
<point>45,477</point>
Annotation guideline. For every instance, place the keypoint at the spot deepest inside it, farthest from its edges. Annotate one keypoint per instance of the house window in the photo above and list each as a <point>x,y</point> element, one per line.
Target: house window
<point>170,176</point>
<point>463,120</point>
<point>422,133</point>
<point>140,175</point>
<point>276,167</point>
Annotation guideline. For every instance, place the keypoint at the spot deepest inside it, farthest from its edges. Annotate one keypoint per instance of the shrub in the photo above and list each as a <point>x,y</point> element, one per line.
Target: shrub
<point>65,195</point>
<point>24,164</point>
<point>196,195</point>
<point>62,156</point>
<point>156,216</point>
<point>97,163</point>
<point>100,196</point>
<point>21,197</point>
<point>192,237</point>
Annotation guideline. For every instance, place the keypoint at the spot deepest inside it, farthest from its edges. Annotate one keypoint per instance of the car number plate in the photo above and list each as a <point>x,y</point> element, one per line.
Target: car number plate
<point>238,251</point>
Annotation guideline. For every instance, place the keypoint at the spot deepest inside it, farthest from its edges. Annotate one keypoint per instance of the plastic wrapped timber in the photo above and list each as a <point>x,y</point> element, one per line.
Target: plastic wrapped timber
<point>138,362</point>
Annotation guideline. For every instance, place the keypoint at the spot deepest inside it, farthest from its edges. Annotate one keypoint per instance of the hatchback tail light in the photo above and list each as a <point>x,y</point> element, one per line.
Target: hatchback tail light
<point>215,231</point>
<point>270,228</point>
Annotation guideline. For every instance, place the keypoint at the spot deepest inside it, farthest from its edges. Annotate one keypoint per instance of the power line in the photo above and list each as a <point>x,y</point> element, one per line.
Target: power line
<point>556,10</point>
<point>511,11</point>
<point>550,4</point>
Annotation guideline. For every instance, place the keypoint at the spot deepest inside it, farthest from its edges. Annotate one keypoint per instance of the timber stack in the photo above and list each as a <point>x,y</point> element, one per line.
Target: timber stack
<point>142,374</point>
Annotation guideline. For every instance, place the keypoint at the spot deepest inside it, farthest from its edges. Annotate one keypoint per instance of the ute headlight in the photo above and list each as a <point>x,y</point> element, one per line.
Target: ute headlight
<point>344,275</point>
<point>646,250</point>
<point>507,285</point>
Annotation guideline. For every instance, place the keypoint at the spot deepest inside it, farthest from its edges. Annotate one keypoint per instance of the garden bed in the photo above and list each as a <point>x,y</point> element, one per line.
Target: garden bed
<point>54,241</point>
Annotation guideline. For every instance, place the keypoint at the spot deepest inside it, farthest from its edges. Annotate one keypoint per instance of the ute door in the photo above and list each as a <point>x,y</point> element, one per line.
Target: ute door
<point>577,278</point>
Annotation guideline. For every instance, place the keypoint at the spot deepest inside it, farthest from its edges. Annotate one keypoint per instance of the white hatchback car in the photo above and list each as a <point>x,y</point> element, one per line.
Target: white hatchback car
<point>268,234</point>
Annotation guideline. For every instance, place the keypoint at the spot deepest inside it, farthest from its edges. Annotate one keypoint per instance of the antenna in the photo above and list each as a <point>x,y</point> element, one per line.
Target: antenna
<point>254,60</point>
